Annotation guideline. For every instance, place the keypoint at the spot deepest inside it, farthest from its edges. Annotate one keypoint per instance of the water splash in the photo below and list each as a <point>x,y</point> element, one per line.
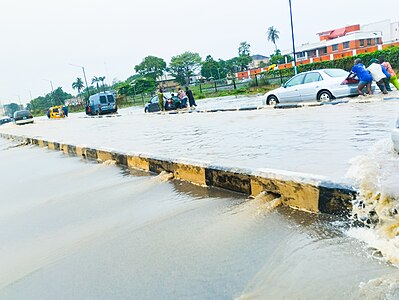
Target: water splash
<point>109,162</point>
<point>266,202</point>
<point>164,176</point>
<point>377,205</point>
<point>384,287</point>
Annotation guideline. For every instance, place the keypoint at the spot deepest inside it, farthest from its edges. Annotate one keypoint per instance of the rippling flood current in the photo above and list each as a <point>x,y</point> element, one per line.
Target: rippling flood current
<point>73,229</point>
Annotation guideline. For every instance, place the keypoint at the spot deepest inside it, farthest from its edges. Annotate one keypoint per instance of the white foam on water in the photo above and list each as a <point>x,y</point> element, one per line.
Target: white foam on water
<point>384,287</point>
<point>377,177</point>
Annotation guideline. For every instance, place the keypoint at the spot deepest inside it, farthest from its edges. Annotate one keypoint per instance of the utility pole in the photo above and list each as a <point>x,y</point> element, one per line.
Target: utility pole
<point>84,75</point>
<point>293,40</point>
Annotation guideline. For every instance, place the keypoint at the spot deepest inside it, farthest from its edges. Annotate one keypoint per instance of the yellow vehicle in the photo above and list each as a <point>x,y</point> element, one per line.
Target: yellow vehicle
<point>271,67</point>
<point>55,112</point>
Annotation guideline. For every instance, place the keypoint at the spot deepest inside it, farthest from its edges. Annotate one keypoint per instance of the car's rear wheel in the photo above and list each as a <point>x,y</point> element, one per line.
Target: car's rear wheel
<point>325,96</point>
<point>146,110</point>
<point>272,100</point>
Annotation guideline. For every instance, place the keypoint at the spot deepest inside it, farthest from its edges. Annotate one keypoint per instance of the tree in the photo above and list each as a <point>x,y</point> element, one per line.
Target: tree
<point>57,97</point>
<point>78,85</point>
<point>151,66</point>
<point>123,88</point>
<point>243,49</point>
<point>183,66</point>
<point>102,78</point>
<point>96,80</point>
<point>211,68</point>
<point>273,35</point>
<point>244,58</point>
<point>144,85</point>
<point>277,58</point>
<point>232,65</point>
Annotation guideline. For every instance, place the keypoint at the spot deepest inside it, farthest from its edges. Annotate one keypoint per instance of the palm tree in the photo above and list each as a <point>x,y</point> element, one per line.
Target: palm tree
<point>273,35</point>
<point>78,85</point>
<point>95,80</point>
<point>102,78</point>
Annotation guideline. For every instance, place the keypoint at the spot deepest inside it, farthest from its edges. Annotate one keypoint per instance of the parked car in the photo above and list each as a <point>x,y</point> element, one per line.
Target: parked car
<point>101,103</point>
<point>171,102</point>
<point>395,136</point>
<point>4,120</point>
<point>23,117</point>
<point>317,85</point>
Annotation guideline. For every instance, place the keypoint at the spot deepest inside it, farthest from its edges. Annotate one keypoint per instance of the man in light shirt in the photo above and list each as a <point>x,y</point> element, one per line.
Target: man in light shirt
<point>378,75</point>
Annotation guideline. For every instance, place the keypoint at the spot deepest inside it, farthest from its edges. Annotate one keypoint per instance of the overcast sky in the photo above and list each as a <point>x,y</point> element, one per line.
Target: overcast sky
<point>40,38</point>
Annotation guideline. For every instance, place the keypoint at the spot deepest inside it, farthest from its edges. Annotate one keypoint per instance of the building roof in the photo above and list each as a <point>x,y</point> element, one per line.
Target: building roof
<point>349,37</point>
<point>258,57</point>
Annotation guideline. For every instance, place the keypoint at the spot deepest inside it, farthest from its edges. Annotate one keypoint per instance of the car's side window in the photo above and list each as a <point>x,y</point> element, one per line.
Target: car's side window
<point>295,81</point>
<point>312,77</point>
<point>154,99</point>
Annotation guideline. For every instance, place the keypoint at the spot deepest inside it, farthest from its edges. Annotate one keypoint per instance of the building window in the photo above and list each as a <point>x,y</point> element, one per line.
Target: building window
<point>300,55</point>
<point>335,47</point>
<point>323,51</point>
<point>368,42</point>
<point>377,41</point>
<point>346,45</point>
<point>361,43</point>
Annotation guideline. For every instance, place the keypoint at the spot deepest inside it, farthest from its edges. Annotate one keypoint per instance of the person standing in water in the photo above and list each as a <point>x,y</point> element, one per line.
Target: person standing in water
<point>388,67</point>
<point>190,96</point>
<point>183,98</point>
<point>160,99</point>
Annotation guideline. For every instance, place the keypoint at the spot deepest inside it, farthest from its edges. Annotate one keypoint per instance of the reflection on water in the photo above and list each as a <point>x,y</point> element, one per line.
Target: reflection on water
<point>72,229</point>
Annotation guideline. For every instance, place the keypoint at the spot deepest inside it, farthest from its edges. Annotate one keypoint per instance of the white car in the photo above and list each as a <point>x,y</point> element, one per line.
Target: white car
<point>316,85</point>
<point>395,136</point>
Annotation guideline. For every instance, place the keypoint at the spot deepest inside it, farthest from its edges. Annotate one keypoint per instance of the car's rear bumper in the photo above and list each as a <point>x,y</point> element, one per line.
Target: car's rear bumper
<point>25,121</point>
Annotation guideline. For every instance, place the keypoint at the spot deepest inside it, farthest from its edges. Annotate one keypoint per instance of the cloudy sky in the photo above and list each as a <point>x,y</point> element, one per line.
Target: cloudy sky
<point>41,38</point>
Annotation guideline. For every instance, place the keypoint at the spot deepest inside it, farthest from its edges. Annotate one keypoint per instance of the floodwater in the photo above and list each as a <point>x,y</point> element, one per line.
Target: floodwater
<point>318,140</point>
<point>73,229</point>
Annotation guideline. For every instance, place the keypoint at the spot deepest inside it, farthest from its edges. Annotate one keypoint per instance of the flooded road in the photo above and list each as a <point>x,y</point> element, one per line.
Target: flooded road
<point>318,140</point>
<point>73,229</point>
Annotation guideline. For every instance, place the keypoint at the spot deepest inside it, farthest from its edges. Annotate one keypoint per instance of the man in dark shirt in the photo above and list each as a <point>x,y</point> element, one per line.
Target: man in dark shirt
<point>190,96</point>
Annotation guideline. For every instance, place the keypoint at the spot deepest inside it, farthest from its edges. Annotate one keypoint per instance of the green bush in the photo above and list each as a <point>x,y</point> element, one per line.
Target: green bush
<point>391,54</point>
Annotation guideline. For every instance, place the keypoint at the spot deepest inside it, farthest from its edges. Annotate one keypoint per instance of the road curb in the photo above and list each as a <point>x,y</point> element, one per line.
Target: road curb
<point>297,190</point>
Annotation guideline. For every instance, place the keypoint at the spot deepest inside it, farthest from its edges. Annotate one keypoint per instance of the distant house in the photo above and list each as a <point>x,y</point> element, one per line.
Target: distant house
<point>347,41</point>
<point>167,81</point>
<point>73,101</point>
<point>257,59</point>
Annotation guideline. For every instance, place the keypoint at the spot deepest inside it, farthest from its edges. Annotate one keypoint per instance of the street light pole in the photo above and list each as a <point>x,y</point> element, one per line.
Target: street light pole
<point>52,90</point>
<point>84,75</point>
<point>293,40</point>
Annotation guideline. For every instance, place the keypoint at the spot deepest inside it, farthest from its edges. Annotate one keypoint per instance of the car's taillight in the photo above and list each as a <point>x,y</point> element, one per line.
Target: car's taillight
<point>350,81</point>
